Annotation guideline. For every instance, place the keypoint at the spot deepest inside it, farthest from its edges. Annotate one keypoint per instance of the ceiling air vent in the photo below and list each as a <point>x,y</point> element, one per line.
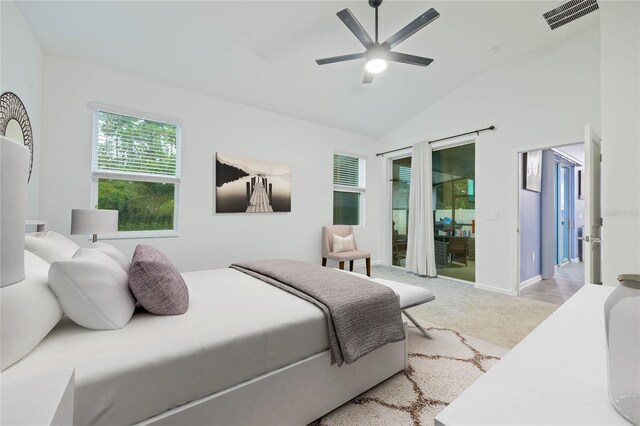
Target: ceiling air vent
<point>569,11</point>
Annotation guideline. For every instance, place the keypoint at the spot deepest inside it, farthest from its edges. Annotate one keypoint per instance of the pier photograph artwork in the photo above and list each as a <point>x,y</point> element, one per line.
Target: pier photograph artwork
<point>246,185</point>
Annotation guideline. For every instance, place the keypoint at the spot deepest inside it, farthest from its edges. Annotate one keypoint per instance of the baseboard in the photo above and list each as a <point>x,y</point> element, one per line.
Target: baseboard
<point>357,264</point>
<point>500,290</point>
<point>530,281</point>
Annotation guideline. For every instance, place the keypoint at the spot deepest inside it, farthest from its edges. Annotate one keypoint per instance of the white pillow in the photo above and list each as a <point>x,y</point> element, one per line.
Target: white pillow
<point>343,243</point>
<point>28,312</point>
<point>93,290</point>
<point>113,253</point>
<point>51,246</point>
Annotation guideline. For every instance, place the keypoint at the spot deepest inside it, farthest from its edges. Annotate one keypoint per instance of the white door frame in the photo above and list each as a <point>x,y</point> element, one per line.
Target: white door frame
<point>519,171</point>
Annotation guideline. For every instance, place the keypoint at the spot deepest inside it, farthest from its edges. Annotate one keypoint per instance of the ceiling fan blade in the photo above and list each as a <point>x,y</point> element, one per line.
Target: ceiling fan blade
<point>352,23</point>
<point>368,77</point>
<point>413,27</point>
<point>409,59</point>
<point>342,58</point>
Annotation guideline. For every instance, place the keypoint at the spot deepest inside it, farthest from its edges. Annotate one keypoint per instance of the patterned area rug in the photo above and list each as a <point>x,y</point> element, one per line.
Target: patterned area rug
<point>439,371</point>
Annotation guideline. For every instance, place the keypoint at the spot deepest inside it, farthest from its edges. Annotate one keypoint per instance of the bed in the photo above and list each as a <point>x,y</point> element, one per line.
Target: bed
<point>244,353</point>
<point>237,329</point>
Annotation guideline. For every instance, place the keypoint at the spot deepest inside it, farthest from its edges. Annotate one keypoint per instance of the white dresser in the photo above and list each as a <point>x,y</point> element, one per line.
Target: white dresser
<point>557,375</point>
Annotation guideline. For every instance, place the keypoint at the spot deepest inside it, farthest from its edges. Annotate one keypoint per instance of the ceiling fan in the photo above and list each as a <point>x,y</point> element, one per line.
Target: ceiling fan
<point>377,54</point>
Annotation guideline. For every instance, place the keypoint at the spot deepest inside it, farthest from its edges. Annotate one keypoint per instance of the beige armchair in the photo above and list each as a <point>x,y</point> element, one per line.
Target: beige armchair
<point>327,248</point>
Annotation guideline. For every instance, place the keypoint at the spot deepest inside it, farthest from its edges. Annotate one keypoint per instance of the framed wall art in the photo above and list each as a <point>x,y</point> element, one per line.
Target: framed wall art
<point>532,168</point>
<point>247,185</point>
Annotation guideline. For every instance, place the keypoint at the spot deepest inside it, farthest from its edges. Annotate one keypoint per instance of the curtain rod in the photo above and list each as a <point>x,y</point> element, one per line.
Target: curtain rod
<point>381,154</point>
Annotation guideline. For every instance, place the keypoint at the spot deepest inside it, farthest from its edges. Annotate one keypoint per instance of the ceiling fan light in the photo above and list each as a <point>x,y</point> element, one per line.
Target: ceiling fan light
<point>376,66</point>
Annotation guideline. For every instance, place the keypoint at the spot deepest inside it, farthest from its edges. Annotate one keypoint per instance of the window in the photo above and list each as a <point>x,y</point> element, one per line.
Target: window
<point>349,185</point>
<point>136,170</point>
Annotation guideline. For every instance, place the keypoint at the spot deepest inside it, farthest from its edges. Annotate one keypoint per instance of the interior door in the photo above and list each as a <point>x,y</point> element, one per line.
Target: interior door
<point>592,247</point>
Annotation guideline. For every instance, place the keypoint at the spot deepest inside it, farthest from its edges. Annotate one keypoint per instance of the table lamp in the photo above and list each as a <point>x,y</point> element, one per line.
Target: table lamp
<point>94,222</point>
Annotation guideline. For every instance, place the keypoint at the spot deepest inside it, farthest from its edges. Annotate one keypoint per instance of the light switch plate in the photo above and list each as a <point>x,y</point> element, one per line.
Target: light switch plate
<point>493,215</point>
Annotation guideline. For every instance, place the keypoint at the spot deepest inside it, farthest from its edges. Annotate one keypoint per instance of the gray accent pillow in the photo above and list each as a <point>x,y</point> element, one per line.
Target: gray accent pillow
<point>156,283</point>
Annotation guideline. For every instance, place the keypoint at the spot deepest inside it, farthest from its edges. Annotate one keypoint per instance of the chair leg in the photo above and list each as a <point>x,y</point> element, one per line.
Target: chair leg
<point>341,265</point>
<point>324,261</point>
<point>368,260</point>
<point>417,324</point>
<point>351,265</point>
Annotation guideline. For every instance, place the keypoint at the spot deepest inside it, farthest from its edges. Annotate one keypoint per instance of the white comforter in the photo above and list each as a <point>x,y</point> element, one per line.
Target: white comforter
<point>236,328</point>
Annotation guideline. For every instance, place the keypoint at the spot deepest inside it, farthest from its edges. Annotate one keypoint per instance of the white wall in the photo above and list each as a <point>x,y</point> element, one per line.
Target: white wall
<point>21,73</point>
<point>620,38</point>
<point>210,125</point>
<point>542,100</point>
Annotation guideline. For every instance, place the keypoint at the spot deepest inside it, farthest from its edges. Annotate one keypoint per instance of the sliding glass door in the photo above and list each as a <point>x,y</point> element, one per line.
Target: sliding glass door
<point>455,211</point>
<point>400,209</point>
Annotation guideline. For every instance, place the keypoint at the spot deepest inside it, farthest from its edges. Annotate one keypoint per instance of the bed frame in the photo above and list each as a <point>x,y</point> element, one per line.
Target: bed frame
<point>293,395</point>
<point>296,394</point>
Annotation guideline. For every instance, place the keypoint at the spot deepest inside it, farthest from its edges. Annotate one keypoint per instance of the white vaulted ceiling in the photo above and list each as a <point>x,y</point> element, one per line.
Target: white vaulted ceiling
<point>261,53</point>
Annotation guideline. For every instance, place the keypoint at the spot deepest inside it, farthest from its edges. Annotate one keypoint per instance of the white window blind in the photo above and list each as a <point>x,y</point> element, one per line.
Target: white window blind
<point>404,173</point>
<point>131,145</point>
<point>349,171</point>
<point>349,185</point>
<point>136,170</point>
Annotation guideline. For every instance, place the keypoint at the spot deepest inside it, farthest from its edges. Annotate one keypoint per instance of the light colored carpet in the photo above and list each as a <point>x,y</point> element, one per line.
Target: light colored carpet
<point>495,318</point>
<point>439,371</point>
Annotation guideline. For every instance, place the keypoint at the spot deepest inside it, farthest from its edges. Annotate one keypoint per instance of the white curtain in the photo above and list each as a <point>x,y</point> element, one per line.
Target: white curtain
<point>421,257</point>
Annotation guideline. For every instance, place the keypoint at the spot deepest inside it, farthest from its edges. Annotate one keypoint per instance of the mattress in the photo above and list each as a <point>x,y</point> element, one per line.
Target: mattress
<point>236,328</point>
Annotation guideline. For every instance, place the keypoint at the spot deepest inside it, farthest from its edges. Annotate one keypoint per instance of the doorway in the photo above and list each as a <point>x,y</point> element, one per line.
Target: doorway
<point>454,195</point>
<point>453,174</point>
<point>551,221</point>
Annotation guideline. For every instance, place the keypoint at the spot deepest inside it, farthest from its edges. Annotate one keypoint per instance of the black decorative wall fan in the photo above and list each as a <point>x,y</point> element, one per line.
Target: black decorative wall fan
<point>377,54</point>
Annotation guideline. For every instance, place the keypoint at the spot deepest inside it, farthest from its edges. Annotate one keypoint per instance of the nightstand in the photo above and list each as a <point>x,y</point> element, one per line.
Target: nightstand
<point>45,399</point>
<point>38,225</point>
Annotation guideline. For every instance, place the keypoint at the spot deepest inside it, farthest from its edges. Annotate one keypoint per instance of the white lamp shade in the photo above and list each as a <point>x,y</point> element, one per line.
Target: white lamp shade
<point>94,221</point>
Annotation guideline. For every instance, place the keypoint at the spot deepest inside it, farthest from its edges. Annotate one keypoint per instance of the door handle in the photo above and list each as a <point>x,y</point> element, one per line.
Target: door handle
<point>590,239</point>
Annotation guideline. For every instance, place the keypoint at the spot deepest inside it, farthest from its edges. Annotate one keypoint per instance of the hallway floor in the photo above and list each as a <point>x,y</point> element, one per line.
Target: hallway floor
<point>569,279</point>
